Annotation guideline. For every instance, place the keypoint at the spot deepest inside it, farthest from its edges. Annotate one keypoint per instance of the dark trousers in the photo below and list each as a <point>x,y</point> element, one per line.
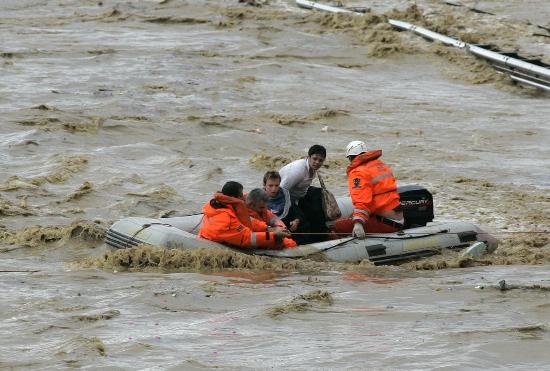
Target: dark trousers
<point>311,206</point>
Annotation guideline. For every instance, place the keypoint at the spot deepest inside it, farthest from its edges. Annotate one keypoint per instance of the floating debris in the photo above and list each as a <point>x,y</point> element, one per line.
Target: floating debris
<point>302,303</point>
<point>110,314</point>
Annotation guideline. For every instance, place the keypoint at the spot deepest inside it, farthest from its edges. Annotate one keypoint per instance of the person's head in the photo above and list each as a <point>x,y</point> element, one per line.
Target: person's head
<point>257,200</point>
<point>233,189</point>
<point>272,181</point>
<point>355,148</point>
<point>316,156</point>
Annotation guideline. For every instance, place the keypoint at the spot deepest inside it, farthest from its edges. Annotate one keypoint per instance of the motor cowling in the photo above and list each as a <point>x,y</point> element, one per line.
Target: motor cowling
<point>417,205</point>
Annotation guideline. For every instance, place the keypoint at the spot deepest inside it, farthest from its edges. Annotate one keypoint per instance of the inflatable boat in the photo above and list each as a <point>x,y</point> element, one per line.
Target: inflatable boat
<point>412,242</point>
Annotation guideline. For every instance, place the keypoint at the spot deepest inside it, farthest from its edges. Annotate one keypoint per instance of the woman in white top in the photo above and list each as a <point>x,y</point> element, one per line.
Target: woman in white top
<point>296,178</point>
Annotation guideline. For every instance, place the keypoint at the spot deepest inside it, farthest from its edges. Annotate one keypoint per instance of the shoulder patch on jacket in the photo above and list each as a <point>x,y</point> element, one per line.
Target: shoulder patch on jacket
<point>356,183</point>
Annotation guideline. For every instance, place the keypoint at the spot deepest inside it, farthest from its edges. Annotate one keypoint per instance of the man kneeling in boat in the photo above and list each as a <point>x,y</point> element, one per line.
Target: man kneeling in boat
<point>256,201</point>
<point>373,191</point>
<point>226,220</point>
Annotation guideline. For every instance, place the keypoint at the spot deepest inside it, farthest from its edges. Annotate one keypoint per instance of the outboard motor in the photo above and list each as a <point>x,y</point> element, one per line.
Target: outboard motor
<point>417,205</point>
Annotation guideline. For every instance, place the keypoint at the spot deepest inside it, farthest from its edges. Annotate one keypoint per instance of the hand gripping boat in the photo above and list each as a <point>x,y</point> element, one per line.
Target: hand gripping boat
<point>412,242</point>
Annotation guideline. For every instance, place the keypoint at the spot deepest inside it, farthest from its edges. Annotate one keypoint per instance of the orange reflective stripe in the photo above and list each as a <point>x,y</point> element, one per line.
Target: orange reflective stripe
<point>381,176</point>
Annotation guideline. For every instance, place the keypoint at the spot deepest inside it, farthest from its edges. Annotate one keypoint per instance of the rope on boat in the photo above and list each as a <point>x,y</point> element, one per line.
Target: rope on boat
<point>198,224</point>
<point>413,233</point>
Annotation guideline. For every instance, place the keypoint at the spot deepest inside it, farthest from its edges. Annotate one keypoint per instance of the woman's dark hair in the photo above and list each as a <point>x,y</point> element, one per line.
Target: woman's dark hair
<point>317,149</point>
<point>271,175</point>
<point>232,189</point>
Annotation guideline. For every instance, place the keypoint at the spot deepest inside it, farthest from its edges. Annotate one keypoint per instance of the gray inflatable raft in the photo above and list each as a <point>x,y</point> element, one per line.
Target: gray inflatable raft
<point>181,233</point>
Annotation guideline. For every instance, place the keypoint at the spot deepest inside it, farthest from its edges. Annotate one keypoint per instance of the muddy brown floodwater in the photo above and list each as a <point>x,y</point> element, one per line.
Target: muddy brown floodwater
<point>114,108</point>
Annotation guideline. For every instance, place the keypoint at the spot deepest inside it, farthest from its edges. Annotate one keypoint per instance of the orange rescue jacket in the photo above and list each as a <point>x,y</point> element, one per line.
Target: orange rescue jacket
<point>226,220</point>
<point>372,187</point>
<point>268,217</point>
<point>272,220</point>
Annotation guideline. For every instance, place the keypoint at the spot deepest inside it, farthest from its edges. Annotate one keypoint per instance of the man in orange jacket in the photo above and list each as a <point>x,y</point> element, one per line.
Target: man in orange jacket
<point>226,220</point>
<point>256,201</point>
<point>373,191</point>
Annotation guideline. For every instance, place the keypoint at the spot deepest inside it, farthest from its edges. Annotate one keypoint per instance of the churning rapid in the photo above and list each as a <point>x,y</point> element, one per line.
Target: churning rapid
<point>113,109</point>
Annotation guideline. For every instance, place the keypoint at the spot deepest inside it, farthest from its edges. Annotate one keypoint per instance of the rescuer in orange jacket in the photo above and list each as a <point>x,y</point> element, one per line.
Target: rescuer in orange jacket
<point>226,220</point>
<point>256,201</point>
<point>373,191</point>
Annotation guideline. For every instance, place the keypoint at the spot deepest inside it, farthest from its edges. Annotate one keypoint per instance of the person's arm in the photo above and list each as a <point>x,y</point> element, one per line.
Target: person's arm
<point>227,229</point>
<point>360,191</point>
<point>289,243</point>
<point>258,225</point>
<point>244,237</point>
<point>240,235</point>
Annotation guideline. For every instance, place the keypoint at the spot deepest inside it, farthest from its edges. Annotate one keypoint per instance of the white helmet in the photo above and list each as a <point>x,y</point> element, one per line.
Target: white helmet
<point>356,147</point>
